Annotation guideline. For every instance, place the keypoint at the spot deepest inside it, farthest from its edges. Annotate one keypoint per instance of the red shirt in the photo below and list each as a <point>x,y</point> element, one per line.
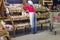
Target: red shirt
<point>29,8</point>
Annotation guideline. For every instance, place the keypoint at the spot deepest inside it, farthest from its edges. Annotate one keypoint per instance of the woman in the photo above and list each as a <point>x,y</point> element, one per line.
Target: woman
<point>29,7</point>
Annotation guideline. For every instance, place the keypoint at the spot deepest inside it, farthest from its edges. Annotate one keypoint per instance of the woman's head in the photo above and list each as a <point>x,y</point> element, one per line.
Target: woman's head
<point>30,2</point>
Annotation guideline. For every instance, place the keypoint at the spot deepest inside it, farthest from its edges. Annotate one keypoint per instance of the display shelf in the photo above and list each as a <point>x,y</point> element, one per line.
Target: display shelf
<point>21,26</point>
<point>49,2</point>
<point>21,21</point>
<point>15,19</point>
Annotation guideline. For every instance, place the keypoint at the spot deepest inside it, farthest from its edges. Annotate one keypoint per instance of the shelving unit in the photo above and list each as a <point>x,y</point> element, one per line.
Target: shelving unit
<point>20,21</point>
<point>49,2</point>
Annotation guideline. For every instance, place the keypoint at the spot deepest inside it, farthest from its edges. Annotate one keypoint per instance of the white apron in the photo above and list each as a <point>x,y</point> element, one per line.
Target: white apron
<point>32,20</point>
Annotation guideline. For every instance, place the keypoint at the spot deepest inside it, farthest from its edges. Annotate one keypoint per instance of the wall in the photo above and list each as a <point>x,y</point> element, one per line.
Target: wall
<point>20,1</point>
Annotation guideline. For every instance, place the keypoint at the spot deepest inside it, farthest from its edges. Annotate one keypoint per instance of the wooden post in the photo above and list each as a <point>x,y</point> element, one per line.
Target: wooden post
<point>41,2</point>
<point>2,9</point>
<point>11,19</point>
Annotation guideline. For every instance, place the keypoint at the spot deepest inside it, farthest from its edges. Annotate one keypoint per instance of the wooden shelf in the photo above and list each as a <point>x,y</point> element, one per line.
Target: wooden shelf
<point>21,26</point>
<point>50,2</point>
<point>47,1</point>
<point>25,18</point>
<point>13,17</point>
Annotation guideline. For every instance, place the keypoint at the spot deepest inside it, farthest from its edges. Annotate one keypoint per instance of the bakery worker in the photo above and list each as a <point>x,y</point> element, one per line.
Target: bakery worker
<point>30,9</point>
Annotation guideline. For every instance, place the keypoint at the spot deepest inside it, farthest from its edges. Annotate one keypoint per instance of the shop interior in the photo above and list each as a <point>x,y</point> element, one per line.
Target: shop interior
<point>15,21</point>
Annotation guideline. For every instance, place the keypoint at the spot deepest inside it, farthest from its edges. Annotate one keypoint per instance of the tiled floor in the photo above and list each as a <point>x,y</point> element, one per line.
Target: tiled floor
<point>45,35</point>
